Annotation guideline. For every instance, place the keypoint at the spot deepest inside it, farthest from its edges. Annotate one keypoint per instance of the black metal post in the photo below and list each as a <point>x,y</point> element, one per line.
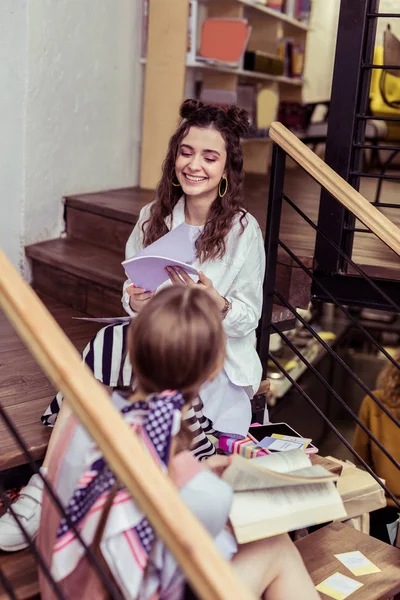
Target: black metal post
<point>271,251</point>
<point>350,92</point>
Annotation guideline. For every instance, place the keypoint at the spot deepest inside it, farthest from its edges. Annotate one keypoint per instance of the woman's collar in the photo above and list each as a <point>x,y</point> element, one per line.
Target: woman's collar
<point>178,214</point>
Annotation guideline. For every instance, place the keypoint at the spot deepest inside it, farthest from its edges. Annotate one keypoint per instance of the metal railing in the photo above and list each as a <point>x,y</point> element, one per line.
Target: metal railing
<point>286,143</point>
<point>353,131</point>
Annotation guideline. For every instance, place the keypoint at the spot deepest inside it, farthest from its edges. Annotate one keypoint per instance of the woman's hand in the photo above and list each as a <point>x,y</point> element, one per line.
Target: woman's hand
<point>138,297</point>
<point>218,463</point>
<point>178,276</point>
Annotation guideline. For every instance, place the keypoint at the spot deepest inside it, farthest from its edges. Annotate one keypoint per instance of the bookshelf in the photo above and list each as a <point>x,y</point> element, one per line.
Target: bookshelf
<point>274,14</point>
<point>169,77</point>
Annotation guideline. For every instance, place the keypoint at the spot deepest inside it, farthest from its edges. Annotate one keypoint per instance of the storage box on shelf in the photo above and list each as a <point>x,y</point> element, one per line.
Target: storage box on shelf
<point>168,70</point>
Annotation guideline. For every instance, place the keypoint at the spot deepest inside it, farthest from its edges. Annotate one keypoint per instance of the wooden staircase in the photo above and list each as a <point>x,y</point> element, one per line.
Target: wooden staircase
<point>79,274</point>
<point>83,269</point>
<point>76,275</point>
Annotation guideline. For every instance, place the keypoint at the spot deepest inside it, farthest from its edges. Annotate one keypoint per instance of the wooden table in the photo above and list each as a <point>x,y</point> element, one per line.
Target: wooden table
<point>318,549</point>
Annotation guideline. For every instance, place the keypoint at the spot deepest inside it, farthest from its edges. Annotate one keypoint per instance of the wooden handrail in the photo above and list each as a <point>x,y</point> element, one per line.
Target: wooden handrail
<point>211,576</point>
<point>355,202</point>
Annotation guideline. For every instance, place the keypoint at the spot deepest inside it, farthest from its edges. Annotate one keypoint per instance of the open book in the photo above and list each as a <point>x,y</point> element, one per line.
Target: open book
<point>174,249</point>
<point>278,493</point>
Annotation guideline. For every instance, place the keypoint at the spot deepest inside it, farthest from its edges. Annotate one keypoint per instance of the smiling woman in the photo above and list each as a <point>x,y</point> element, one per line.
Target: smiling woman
<point>202,185</point>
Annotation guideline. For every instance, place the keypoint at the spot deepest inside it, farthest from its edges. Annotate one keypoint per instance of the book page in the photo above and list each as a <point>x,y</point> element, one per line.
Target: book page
<point>253,474</point>
<point>177,244</point>
<point>264,513</point>
<point>283,462</point>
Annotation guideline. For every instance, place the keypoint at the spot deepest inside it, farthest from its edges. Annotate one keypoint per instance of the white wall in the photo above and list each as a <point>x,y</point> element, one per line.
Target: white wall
<point>320,50</point>
<point>388,6</point>
<point>321,44</point>
<point>13,80</point>
<point>81,124</point>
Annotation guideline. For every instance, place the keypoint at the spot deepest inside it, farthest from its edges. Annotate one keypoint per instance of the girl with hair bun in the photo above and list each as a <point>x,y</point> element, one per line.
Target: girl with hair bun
<point>202,185</point>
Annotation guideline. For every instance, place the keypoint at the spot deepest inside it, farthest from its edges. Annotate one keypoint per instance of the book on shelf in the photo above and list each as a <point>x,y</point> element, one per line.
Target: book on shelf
<point>304,10</point>
<point>191,50</point>
<point>147,269</point>
<point>292,55</point>
<point>274,4</point>
<point>263,62</point>
<point>291,8</point>
<point>247,100</point>
<point>280,492</point>
<point>217,97</point>
<point>224,40</point>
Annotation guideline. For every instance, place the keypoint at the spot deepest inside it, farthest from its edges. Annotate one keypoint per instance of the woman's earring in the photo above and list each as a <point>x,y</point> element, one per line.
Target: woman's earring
<point>173,182</point>
<point>220,193</point>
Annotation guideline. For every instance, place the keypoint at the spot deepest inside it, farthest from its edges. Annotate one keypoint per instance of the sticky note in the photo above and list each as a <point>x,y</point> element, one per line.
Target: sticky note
<point>338,586</point>
<point>301,443</point>
<point>283,445</point>
<point>357,563</point>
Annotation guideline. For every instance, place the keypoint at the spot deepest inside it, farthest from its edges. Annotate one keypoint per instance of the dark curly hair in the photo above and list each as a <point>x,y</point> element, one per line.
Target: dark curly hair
<point>389,382</point>
<point>232,123</point>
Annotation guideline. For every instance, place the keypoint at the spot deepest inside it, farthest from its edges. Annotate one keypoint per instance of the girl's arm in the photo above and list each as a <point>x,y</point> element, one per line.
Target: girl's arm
<point>246,295</point>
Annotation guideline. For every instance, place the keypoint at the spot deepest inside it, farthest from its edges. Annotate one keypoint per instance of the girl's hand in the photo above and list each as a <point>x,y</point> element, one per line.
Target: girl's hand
<point>178,276</point>
<point>218,463</point>
<point>138,297</point>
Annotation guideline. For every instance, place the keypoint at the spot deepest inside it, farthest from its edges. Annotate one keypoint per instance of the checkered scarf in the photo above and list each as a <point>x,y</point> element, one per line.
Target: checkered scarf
<point>83,508</point>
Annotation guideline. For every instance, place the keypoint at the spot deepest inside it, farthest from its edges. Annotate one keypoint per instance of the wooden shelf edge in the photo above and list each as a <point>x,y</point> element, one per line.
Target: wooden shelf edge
<point>240,73</point>
<point>270,12</point>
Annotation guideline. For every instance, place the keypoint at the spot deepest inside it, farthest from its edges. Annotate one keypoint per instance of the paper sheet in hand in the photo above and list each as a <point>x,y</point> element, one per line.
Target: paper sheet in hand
<point>176,248</point>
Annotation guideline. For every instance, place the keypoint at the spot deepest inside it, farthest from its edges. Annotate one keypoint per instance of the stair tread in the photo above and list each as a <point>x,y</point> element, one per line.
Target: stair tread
<point>318,549</point>
<point>25,391</point>
<point>21,572</point>
<point>121,204</point>
<point>81,259</point>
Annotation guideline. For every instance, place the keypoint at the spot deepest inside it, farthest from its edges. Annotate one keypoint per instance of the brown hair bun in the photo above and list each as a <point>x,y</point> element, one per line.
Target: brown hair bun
<point>190,107</point>
<point>240,120</point>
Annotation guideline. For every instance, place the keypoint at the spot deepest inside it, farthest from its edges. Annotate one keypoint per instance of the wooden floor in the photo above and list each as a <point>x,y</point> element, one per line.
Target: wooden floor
<point>25,391</point>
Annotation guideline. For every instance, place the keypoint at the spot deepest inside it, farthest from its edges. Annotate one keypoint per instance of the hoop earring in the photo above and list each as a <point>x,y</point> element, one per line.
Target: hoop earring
<point>173,183</point>
<point>222,194</point>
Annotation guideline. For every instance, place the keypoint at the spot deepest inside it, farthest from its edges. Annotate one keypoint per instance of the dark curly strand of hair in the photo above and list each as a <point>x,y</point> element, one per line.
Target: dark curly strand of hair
<point>232,123</point>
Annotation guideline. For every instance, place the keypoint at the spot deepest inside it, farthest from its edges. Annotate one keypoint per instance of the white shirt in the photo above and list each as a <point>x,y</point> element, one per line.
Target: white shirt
<point>238,276</point>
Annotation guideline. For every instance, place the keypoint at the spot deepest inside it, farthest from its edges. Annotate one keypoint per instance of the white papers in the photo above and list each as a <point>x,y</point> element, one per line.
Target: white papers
<point>264,513</point>
<point>176,248</point>
<point>357,563</point>
<point>338,586</point>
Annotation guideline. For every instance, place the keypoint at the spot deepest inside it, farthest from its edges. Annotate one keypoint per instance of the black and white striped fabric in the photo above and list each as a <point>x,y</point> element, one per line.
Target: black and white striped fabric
<point>107,356</point>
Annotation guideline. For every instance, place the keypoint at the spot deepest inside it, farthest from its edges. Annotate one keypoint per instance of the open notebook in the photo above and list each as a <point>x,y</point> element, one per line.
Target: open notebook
<point>174,249</point>
<point>278,493</point>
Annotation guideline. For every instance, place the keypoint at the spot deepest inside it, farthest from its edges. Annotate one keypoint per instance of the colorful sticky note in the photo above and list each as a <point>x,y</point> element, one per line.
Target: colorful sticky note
<point>299,442</point>
<point>338,586</point>
<point>357,563</point>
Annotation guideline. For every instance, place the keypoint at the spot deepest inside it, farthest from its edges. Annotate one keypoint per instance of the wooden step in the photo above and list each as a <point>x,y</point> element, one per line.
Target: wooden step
<point>85,277</point>
<point>106,219</point>
<point>25,391</point>
<point>21,572</point>
<point>318,550</point>
<point>90,278</point>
